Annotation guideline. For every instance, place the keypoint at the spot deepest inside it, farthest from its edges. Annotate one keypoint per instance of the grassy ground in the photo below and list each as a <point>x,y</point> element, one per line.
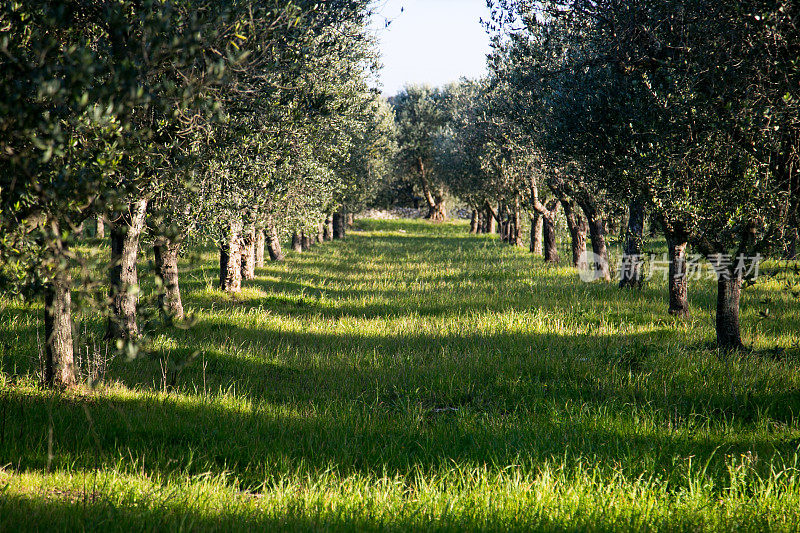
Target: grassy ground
<point>412,377</point>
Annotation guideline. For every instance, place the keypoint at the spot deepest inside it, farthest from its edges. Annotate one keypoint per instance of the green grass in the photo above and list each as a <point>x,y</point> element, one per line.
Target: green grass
<point>413,377</point>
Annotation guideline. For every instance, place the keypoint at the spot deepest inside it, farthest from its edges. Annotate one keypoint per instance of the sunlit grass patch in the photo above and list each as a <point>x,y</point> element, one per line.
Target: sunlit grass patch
<point>413,377</point>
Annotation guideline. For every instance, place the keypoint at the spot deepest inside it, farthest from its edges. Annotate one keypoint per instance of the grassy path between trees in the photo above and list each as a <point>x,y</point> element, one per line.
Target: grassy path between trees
<point>413,377</point>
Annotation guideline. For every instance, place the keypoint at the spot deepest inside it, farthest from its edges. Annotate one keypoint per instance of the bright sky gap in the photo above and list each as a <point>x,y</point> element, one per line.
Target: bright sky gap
<point>432,42</point>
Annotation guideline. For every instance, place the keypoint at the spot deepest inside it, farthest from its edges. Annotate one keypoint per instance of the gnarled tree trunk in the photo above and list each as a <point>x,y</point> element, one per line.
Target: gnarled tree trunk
<point>249,252</point>
<point>339,230</point>
<point>729,290</point>
<point>297,242</point>
<point>516,224</point>
<point>536,234</point>
<point>502,221</point>
<point>305,241</point>
<point>273,241</point>
<point>678,281</point>
<point>126,230</point>
<point>473,222</point>
<point>631,268</point>
<point>166,257</point>
<point>261,242</point>
<point>597,236</point>
<point>328,227</point>
<point>577,226</point>
<point>491,219</point>
<point>549,238</point>
<point>230,258</point>
<point>481,222</point>
<point>59,363</point>
<point>435,200</point>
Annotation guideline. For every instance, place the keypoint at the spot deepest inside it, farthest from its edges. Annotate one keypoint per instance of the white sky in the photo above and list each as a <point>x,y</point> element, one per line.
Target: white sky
<point>431,41</point>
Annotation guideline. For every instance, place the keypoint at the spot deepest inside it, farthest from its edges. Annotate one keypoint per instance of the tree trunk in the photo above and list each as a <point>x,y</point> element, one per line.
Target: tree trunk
<point>502,212</point>
<point>490,220</point>
<point>260,245</point>
<point>230,258</point>
<point>729,290</point>
<point>329,228</point>
<point>437,212</point>
<point>631,268</point>
<point>59,363</point>
<point>678,282</point>
<point>350,219</point>
<point>273,241</point>
<point>249,252</point>
<point>473,222</point>
<point>100,232</point>
<point>321,233</point>
<point>597,236</point>
<point>516,223</point>
<point>297,243</point>
<point>305,241</point>
<point>339,225</point>
<point>169,298</point>
<point>577,231</point>
<point>436,209</point>
<point>126,230</point>
<point>536,234</point>
<point>549,238</point>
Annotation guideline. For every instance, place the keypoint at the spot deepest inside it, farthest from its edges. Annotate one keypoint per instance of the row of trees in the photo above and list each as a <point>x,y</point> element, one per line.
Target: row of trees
<point>685,110</point>
<point>237,123</point>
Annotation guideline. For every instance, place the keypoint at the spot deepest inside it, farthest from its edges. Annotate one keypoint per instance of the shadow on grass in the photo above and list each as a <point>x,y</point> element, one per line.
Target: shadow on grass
<point>263,402</point>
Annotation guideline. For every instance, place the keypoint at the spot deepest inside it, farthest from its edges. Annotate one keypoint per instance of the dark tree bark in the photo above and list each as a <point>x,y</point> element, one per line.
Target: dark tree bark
<point>261,241</point>
<point>502,222</point>
<point>437,212</point>
<point>100,231</point>
<point>339,231</point>
<point>678,281</point>
<point>729,290</point>
<point>435,200</point>
<point>597,236</point>
<point>166,258</point>
<point>305,241</point>
<point>297,243</point>
<point>577,226</point>
<point>516,224</point>
<point>536,234</point>
<point>473,222</point>
<point>126,230</point>
<point>328,228</point>
<point>549,238</point>
<point>249,252</point>
<point>481,222</point>
<point>548,213</point>
<point>230,258</point>
<point>59,363</point>
<point>631,268</point>
<point>491,219</point>
<point>273,241</point>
